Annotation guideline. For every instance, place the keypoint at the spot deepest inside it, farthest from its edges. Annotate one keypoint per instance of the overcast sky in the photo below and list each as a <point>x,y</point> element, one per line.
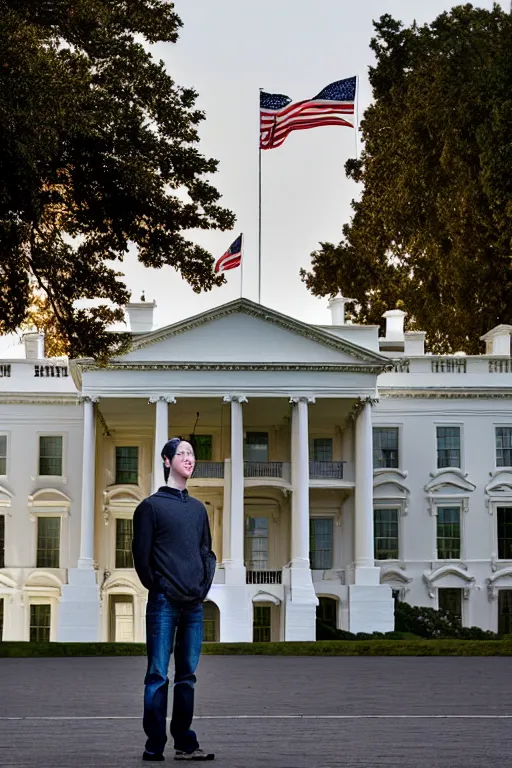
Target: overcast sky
<point>227,50</point>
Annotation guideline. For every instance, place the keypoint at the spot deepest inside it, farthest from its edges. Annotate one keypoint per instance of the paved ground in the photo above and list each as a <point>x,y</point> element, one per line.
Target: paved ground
<point>266,712</point>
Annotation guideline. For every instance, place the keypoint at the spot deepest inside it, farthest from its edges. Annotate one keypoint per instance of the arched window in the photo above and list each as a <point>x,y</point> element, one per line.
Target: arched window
<point>327,611</point>
<point>210,622</point>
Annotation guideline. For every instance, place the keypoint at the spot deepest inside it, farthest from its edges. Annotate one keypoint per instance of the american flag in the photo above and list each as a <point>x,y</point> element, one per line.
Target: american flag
<point>279,117</point>
<point>232,258</point>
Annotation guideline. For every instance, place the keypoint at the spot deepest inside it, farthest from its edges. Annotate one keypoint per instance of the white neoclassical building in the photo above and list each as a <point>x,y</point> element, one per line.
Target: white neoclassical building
<point>341,472</point>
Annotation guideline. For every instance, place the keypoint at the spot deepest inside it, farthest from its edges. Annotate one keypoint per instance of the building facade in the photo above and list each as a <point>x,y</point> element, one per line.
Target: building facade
<point>341,472</point>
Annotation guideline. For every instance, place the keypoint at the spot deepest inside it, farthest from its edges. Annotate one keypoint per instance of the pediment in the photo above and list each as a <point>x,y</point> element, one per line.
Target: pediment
<point>243,332</point>
<point>43,579</point>
<point>500,483</point>
<point>390,483</point>
<point>393,576</point>
<point>448,570</point>
<point>266,597</point>
<point>122,495</point>
<point>449,480</point>
<point>49,498</point>
<point>5,497</point>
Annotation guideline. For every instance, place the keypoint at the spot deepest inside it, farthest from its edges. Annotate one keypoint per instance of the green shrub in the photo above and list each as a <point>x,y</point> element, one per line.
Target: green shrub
<point>431,624</point>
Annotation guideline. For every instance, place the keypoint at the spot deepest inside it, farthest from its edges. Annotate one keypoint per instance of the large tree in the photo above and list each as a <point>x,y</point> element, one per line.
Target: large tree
<point>432,230</point>
<point>98,150</point>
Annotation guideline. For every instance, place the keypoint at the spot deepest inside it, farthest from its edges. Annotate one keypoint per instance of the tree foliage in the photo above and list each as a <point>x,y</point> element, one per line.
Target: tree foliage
<point>98,150</point>
<point>432,231</point>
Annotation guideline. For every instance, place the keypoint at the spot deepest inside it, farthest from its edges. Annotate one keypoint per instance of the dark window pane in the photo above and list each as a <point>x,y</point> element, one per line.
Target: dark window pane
<point>322,449</point>
<point>450,599</point>
<point>124,536</point>
<point>256,543</point>
<point>505,612</point>
<point>203,447</point>
<point>385,534</point>
<point>3,454</point>
<point>504,446</point>
<point>40,621</point>
<point>327,611</point>
<point>385,447</point>
<point>505,533</point>
<point>50,455</point>
<point>320,543</point>
<point>262,625</point>
<point>210,622</point>
<point>448,533</point>
<point>448,447</point>
<point>127,465</point>
<point>48,542</point>
<point>2,541</point>
<point>256,446</point>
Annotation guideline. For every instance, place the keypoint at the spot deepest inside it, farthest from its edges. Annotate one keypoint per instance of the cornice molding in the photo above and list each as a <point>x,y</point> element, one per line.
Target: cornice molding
<point>444,394</point>
<point>231,366</point>
<point>35,399</point>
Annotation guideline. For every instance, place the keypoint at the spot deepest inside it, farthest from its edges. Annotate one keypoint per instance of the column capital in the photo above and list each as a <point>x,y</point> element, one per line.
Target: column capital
<point>88,399</point>
<point>234,399</point>
<point>308,400</point>
<point>162,399</point>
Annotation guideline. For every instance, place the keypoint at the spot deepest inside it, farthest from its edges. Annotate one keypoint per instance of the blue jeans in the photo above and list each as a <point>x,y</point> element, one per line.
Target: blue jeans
<point>168,625</point>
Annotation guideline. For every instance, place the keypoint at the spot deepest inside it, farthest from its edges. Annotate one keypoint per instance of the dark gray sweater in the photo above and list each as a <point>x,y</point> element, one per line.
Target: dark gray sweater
<point>172,546</point>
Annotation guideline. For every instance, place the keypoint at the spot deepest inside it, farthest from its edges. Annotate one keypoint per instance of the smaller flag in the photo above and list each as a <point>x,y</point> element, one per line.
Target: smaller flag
<point>279,116</point>
<point>232,258</point>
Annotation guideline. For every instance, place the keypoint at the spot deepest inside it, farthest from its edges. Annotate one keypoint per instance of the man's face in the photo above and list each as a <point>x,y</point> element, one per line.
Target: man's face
<point>184,460</point>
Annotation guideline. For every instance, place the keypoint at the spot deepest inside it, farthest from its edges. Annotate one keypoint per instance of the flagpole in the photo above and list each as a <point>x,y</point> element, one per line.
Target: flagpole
<point>242,266</point>
<point>357,118</point>
<point>259,202</point>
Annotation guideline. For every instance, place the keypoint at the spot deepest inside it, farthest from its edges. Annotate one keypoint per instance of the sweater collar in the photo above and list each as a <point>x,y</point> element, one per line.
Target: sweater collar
<point>174,492</point>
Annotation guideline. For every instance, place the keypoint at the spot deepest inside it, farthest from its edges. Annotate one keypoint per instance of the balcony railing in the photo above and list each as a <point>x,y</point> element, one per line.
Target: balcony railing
<point>321,470</point>
<point>205,470</point>
<point>5,371</point>
<point>264,577</point>
<point>267,469</point>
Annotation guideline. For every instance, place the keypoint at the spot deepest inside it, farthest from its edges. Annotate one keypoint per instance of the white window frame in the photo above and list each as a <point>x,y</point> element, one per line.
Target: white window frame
<point>497,467</point>
<point>387,425</point>
<point>493,510</point>
<point>111,559</point>
<point>334,514</point>
<point>7,436</point>
<point>52,478</point>
<point>464,603</point>
<point>397,504</point>
<point>460,426</point>
<point>57,507</point>
<point>462,502</point>
<point>42,597</point>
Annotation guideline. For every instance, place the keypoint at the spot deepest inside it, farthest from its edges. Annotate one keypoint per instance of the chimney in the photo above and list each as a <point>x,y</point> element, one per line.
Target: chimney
<point>497,340</point>
<point>394,340</point>
<point>337,307</point>
<point>34,345</point>
<point>414,343</point>
<point>140,315</point>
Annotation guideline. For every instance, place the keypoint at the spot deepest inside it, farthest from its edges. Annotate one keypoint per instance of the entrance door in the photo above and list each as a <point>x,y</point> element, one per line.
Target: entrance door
<point>121,619</point>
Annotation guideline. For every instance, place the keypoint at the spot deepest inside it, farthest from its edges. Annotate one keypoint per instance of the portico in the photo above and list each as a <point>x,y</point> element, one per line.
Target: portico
<point>260,392</point>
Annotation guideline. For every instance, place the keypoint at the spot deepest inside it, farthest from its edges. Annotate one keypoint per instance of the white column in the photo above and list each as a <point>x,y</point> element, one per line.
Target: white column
<point>161,437</point>
<point>300,482</point>
<point>235,554</point>
<point>364,558</point>
<point>86,559</point>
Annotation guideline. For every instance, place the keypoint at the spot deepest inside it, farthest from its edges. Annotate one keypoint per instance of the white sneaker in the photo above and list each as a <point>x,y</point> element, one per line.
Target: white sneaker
<point>197,754</point>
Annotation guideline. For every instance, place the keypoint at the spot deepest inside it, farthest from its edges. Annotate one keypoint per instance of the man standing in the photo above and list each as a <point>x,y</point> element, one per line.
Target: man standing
<point>174,561</point>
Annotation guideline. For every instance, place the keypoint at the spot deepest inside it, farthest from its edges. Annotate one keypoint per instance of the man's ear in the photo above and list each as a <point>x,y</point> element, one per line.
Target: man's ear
<point>166,461</point>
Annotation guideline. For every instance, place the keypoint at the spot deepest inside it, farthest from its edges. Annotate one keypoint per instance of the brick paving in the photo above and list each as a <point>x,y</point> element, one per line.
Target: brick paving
<point>79,695</point>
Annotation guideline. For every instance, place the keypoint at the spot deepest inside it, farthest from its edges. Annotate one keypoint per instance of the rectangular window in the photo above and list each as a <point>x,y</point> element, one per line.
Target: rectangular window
<point>203,447</point>
<point>256,446</point>
<point>505,612</point>
<point>262,624</point>
<point>320,543</point>
<point>40,622</point>
<point>48,542</point>
<point>210,622</point>
<point>3,454</point>
<point>385,447</point>
<point>256,543</point>
<point>448,533</point>
<point>127,465</point>
<point>50,455</point>
<point>504,446</point>
<point>124,536</point>
<point>322,449</point>
<point>448,447</point>
<point>385,534</point>
<point>450,599</point>
<point>504,533</point>
<point>2,541</point>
